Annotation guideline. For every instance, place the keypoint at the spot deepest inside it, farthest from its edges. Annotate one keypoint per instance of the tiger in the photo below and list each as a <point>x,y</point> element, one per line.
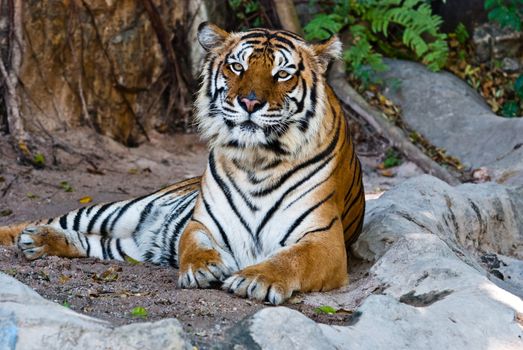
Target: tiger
<point>281,198</point>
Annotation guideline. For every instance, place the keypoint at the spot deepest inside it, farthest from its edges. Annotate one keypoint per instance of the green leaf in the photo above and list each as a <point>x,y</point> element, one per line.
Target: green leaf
<point>39,160</point>
<point>31,195</point>
<point>139,312</point>
<point>510,109</point>
<point>462,34</point>
<point>131,260</point>
<point>66,186</point>
<point>392,158</point>
<point>518,86</point>
<point>66,304</point>
<point>325,309</point>
<point>323,26</point>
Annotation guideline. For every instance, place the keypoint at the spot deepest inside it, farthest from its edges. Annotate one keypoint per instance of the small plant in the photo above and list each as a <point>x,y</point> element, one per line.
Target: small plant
<point>139,312</point>
<point>39,160</point>
<point>249,13</point>
<point>325,309</point>
<point>64,185</point>
<point>393,27</point>
<point>508,13</point>
<point>392,158</point>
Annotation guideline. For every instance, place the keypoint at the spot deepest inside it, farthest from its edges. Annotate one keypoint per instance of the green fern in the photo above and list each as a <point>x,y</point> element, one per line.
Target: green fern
<point>508,13</point>
<point>370,23</point>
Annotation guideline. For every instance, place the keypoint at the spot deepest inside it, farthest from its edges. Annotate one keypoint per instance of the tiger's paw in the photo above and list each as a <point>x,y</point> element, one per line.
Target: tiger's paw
<point>202,269</point>
<point>40,241</point>
<point>258,282</point>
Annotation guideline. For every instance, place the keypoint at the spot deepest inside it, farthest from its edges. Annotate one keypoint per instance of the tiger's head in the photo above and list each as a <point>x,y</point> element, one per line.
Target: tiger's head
<point>263,91</point>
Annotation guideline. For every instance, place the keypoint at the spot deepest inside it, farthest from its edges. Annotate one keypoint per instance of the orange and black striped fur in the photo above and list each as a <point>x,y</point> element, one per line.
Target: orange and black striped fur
<point>282,195</point>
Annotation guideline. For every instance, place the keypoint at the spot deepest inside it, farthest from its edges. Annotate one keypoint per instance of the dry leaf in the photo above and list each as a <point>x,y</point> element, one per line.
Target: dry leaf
<point>85,200</point>
<point>387,173</point>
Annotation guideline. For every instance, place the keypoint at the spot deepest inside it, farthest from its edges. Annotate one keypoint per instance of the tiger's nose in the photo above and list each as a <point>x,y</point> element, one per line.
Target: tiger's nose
<point>250,104</point>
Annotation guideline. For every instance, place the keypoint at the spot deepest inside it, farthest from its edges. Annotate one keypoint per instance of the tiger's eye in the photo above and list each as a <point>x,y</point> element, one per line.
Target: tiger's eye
<point>282,74</point>
<point>237,67</point>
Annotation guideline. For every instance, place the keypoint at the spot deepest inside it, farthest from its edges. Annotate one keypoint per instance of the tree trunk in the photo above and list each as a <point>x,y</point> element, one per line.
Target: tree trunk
<point>120,67</point>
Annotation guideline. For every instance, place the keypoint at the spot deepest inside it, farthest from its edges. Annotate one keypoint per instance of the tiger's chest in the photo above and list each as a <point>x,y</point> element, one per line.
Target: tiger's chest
<point>255,219</point>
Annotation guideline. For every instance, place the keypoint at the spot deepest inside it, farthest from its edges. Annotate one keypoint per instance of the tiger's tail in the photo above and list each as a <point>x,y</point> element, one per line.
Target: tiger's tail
<point>9,234</point>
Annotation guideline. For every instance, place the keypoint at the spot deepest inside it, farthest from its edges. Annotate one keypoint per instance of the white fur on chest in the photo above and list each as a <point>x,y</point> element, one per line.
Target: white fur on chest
<point>254,235</point>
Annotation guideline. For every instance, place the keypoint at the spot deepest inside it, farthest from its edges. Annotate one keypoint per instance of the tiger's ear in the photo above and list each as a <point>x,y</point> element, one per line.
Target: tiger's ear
<point>328,50</point>
<point>211,36</point>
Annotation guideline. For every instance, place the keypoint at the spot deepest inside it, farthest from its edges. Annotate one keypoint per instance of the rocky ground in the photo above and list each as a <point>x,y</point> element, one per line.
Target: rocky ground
<point>102,170</point>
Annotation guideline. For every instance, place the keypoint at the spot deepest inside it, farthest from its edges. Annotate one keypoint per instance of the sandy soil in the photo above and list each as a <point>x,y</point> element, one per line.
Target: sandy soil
<point>97,167</point>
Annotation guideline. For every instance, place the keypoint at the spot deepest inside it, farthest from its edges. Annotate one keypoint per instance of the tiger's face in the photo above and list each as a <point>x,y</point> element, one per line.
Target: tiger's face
<point>262,90</point>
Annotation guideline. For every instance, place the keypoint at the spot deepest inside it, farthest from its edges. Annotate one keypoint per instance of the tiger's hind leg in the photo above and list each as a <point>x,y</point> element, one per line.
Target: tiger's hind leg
<point>39,241</point>
<point>9,234</point>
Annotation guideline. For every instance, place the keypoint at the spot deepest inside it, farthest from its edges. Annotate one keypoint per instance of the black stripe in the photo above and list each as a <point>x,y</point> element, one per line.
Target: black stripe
<point>180,225</point>
<point>276,205</point>
<point>89,209</point>
<point>357,217</point>
<point>49,221</point>
<point>302,217</point>
<point>251,206</point>
<point>310,190</point>
<point>254,35</point>
<point>290,34</point>
<point>275,146</point>
<point>210,77</point>
<point>175,212</point>
<point>319,157</point>
<point>109,249</point>
<point>349,190</point>
<point>283,40</point>
<point>76,221</point>
<point>321,229</point>
<point>359,195</point>
<point>103,227</point>
<point>102,246</point>
<point>215,82</point>
<point>63,221</point>
<point>358,230</point>
<point>88,250</point>
<point>220,228</point>
<point>252,42</point>
<point>125,208</point>
<point>80,239</point>
<point>119,249</point>
<point>147,210</point>
<point>304,123</point>
<point>226,191</point>
<point>96,216</point>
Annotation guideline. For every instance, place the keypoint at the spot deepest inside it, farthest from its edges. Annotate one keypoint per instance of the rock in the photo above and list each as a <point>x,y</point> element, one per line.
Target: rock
<point>28,321</point>
<point>426,239</point>
<point>510,65</point>
<point>493,42</point>
<point>452,116</point>
<point>276,328</point>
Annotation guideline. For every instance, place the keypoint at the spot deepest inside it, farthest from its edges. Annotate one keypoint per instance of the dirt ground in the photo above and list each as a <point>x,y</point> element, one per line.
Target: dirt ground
<point>96,167</point>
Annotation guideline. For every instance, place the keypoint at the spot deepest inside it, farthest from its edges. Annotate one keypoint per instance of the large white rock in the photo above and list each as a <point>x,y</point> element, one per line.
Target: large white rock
<point>28,321</point>
<point>426,238</point>
<point>451,115</point>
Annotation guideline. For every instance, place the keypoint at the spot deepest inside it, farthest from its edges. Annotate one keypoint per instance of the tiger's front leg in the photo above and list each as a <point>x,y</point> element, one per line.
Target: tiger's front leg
<point>202,261</point>
<point>316,262</point>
